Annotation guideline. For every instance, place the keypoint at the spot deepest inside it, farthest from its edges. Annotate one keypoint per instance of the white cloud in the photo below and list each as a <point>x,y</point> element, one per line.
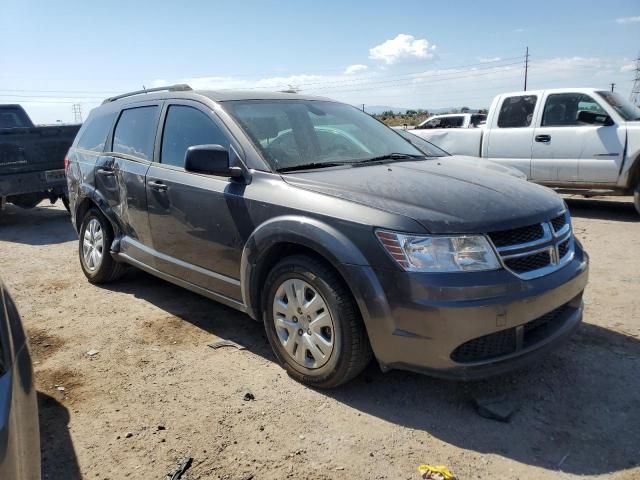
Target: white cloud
<point>623,20</point>
<point>519,30</point>
<point>488,59</point>
<point>403,47</point>
<point>628,67</point>
<point>357,68</point>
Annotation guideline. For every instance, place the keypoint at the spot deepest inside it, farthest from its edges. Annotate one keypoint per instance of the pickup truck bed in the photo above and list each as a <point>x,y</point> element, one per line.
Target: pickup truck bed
<point>31,158</point>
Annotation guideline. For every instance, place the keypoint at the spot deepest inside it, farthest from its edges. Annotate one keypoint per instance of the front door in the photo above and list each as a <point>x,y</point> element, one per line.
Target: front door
<point>120,175</point>
<point>195,237</point>
<point>568,151</point>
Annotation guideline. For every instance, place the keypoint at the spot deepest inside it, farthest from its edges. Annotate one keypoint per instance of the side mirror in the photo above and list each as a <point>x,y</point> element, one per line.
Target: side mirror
<point>210,159</point>
<point>593,118</point>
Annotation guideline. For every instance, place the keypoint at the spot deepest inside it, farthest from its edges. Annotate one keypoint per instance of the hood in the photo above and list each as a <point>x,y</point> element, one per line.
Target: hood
<point>445,197</point>
<point>478,162</point>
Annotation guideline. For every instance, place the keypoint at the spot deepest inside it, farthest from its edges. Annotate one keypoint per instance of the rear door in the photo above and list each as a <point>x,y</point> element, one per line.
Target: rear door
<point>120,175</point>
<point>568,151</point>
<point>509,138</point>
<point>194,234</point>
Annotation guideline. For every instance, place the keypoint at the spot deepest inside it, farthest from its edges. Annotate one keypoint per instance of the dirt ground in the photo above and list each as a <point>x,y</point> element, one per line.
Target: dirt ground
<point>156,393</point>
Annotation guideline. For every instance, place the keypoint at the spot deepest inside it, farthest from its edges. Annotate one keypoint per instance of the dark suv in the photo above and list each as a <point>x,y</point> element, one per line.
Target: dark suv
<point>331,228</point>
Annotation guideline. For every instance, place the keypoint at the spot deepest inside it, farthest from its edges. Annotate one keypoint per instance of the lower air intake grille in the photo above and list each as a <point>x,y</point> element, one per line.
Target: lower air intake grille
<point>504,342</point>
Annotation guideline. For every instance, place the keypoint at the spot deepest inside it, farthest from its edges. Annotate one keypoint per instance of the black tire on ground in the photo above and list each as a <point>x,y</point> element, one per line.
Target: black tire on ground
<point>65,202</point>
<point>108,269</point>
<point>636,197</point>
<point>351,352</point>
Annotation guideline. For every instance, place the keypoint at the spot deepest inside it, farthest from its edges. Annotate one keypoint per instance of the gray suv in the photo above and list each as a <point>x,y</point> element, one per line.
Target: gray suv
<point>332,229</point>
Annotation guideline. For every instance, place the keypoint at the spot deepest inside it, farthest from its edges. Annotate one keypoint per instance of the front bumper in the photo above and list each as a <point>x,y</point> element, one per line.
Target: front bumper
<point>419,321</point>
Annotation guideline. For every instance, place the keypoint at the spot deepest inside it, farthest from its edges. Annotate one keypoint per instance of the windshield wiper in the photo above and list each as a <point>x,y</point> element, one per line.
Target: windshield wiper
<point>314,165</point>
<point>388,156</point>
<point>311,166</point>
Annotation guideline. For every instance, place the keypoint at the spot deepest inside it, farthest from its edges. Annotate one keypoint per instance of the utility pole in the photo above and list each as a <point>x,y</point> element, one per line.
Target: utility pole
<point>363,107</point>
<point>612,86</point>
<point>635,91</point>
<point>526,68</point>
<point>77,112</point>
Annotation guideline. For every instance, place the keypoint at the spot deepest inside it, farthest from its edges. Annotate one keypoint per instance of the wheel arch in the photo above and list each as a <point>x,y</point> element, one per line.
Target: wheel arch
<point>286,236</point>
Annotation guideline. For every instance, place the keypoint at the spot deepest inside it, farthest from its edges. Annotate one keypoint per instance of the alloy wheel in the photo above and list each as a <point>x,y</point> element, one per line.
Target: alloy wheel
<point>303,323</point>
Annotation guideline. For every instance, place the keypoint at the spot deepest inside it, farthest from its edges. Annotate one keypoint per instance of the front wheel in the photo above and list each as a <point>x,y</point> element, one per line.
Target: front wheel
<point>313,323</point>
<point>94,247</point>
<point>636,197</point>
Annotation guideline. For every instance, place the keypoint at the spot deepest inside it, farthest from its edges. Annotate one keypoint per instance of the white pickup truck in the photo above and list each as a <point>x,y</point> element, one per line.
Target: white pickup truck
<point>576,140</point>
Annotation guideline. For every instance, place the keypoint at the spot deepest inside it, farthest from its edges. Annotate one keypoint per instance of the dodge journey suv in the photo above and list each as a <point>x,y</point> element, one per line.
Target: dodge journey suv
<point>332,229</point>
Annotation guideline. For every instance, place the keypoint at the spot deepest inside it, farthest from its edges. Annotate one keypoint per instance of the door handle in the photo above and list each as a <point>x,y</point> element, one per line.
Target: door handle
<point>105,171</point>
<point>543,138</point>
<point>157,185</point>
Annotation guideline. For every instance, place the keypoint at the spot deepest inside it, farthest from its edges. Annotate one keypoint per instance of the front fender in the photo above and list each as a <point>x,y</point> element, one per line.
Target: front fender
<point>312,233</point>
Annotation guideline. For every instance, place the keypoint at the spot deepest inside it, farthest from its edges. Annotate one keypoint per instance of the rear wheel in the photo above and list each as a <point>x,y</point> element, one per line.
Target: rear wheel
<point>636,197</point>
<point>94,247</point>
<point>313,323</point>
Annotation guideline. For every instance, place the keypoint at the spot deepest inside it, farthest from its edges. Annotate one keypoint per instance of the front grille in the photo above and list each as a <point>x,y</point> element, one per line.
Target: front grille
<point>559,222</point>
<point>563,248</point>
<point>528,263</point>
<point>516,236</point>
<point>505,342</point>
<point>535,250</point>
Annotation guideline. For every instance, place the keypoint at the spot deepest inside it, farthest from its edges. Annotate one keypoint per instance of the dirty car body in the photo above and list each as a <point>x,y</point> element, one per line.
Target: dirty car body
<point>452,270</point>
<point>19,433</point>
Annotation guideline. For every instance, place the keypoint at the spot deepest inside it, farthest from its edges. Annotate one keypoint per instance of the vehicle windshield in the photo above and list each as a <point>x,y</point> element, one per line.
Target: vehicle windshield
<point>428,148</point>
<point>292,134</point>
<point>625,108</point>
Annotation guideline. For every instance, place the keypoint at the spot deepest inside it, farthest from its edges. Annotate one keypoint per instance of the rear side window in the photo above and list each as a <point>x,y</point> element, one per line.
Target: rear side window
<point>517,112</point>
<point>185,127</point>
<point>135,132</point>
<point>96,132</point>
<point>11,118</point>
<point>452,122</point>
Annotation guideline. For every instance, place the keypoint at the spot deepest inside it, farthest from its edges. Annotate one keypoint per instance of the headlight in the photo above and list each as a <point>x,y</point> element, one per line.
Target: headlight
<point>421,253</point>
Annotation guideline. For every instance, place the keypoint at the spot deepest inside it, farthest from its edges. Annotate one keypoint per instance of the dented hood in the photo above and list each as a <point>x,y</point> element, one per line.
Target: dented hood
<point>444,197</point>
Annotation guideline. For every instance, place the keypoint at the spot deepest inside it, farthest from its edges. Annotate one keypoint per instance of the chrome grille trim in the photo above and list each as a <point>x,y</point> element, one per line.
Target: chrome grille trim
<point>550,242</point>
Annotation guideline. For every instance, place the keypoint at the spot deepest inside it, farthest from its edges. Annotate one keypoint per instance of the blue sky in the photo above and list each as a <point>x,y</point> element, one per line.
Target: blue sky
<point>405,54</point>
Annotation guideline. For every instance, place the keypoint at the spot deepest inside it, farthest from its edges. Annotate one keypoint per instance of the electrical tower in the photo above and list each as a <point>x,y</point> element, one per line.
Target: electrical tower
<point>635,91</point>
<point>77,112</point>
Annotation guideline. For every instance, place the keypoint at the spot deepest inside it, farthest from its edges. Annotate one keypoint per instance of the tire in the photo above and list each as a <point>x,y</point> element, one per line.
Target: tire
<point>65,202</point>
<point>636,197</point>
<point>337,348</point>
<point>98,266</point>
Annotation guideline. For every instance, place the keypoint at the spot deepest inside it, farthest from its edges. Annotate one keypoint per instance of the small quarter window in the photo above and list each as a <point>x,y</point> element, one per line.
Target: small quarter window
<point>185,127</point>
<point>517,112</point>
<point>136,131</point>
<point>96,132</point>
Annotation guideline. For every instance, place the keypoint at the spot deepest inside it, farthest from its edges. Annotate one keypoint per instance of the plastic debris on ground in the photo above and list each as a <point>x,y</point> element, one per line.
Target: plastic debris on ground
<point>435,472</point>
<point>225,343</point>
<point>183,467</point>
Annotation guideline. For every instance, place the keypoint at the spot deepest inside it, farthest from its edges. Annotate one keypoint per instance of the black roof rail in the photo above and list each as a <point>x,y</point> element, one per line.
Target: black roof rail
<point>179,87</point>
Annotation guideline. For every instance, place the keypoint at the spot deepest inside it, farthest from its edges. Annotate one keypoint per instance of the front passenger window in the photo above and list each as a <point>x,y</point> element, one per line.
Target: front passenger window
<point>184,127</point>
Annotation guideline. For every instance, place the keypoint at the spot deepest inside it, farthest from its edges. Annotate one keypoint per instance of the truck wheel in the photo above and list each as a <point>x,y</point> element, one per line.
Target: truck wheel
<point>313,323</point>
<point>65,202</point>
<point>94,247</point>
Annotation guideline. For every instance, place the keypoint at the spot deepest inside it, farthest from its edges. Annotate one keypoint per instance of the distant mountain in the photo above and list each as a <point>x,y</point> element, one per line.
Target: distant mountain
<point>378,109</point>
